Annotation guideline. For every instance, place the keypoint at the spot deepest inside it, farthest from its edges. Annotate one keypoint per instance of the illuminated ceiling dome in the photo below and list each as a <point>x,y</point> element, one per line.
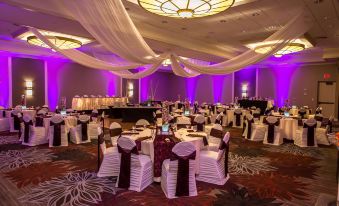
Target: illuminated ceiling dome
<point>288,49</point>
<point>185,8</point>
<point>60,42</point>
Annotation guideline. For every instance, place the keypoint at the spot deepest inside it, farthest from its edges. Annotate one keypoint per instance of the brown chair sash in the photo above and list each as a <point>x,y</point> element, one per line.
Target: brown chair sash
<point>182,187</point>
<point>237,119</point>
<point>57,132</point>
<point>39,121</point>
<point>249,128</point>
<point>17,121</point>
<point>115,132</point>
<point>270,131</point>
<point>200,126</point>
<point>26,130</point>
<point>310,134</point>
<point>302,114</point>
<point>84,132</point>
<point>93,115</point>
<point>125,166</point>
<point>217,133</point>
<point>101,138</point>
<point>226,148</point>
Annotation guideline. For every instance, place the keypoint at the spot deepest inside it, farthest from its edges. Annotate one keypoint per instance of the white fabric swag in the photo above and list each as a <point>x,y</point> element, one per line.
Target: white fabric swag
<point>123,39</point>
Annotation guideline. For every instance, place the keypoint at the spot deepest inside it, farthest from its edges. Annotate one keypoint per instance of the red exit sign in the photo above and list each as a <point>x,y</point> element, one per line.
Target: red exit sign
<point>327,75</point>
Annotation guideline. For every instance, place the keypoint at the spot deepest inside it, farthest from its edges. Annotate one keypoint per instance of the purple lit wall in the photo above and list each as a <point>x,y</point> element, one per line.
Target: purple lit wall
<point>245,76</point>
<point>27,69</point>
<point>67,79</point>
<point>158,80</point>
<point>204,88</point>
<point>4,82</point>
<point>54,68</point>
<point>294,82</point>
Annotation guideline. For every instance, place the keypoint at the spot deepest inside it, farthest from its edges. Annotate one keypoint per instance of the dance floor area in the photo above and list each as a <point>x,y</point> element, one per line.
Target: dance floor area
<point>259,175</point>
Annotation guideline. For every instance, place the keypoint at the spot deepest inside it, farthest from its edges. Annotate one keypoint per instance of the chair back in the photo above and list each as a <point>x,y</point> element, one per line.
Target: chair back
<point>183,120</point>
<point>115,129</point>
<point>141,123</point>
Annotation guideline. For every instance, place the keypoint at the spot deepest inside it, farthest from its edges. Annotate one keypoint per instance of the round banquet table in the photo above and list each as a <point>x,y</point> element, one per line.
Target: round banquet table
<point>159,151</point>
<point>288,127</point>
<point>70,121</point>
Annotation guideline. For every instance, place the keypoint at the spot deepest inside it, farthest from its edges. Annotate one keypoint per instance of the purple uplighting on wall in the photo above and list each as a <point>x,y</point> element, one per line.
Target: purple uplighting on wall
<point>4,82</point>
<point>283,79</point>
<point>191,85</point>
<point>112,86</point>
<point>218,83</point>
<point>53,71</point>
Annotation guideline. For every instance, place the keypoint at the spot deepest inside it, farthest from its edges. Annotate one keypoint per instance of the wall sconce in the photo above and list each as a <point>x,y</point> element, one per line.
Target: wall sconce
<point>130,89</point>
<point>244,91</point>
<point>29,88</point>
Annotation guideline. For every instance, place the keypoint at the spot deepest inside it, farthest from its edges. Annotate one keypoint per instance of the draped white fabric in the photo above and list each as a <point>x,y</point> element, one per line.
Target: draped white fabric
<point>296,27</point>
<point>93,62</point>
<point>108,22</point>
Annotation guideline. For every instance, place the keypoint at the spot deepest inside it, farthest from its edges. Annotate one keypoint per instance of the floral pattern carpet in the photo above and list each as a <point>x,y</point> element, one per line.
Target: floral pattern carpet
<point>260,175</point>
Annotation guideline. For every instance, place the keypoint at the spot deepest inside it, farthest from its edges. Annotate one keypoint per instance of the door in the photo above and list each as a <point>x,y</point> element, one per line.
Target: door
<point>326,97</point>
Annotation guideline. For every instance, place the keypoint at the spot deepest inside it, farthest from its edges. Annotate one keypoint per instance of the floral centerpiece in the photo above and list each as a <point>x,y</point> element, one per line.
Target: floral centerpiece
<point>166,117</point>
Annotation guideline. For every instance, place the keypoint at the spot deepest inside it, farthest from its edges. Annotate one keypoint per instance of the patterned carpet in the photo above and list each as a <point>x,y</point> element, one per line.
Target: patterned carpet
<point>260,175</point>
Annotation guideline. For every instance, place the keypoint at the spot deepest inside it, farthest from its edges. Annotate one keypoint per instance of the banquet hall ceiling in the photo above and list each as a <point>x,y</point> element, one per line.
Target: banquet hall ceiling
<point>212,38</point>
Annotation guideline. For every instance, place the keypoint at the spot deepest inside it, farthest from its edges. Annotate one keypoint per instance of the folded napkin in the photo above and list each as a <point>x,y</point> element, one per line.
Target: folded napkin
<point>174,139</point>
<point>139,129</point>
<point>190,130</point>
<point>129,133</point>
<point>204,139</point>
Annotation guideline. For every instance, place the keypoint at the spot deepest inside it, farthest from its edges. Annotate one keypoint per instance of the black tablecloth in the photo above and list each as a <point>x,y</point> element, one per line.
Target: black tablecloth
<point>133,114</point>
<point>245,103</point>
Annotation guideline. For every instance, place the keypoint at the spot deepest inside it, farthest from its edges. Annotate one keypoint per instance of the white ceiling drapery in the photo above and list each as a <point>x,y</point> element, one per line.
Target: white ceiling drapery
<point>108,22</point>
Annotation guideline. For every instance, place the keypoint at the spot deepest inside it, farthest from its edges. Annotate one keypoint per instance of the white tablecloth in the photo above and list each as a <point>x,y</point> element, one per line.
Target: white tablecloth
<point>70,121</point>
<point>29,112</point>
<point>147,146</point>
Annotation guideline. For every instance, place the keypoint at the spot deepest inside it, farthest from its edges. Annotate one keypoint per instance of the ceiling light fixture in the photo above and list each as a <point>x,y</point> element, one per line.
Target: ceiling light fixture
<point>61,40</point>
<point>58,41</point>
<point>185,8</point>
<point>288,49</point>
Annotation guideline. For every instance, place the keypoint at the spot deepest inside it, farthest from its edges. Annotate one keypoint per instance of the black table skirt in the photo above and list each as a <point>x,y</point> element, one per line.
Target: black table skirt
<point>133,114</point>
<point>250,103</point>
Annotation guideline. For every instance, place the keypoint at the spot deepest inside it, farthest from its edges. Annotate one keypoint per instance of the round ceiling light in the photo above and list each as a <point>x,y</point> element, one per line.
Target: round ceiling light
<point>185,8</point>
<point>60,42</point>
<point>288,49</point>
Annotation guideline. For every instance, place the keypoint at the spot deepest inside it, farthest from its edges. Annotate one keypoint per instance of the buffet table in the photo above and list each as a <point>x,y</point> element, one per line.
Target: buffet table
<point>133,114</point>
<point>90,103</point>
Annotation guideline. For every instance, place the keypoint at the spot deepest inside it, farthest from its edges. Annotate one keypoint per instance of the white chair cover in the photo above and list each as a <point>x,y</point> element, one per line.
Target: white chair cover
<point>170,170</point>
<point>12,120</point>
<point>115,132</point>
<point>214,141</point>
<point>142,122</point>
<point>111,158</point>
<point>77,132</point>
<point>238,118</point>
<point>57,119</point>
<point>36,135</point>
<point>303,137</point>
<point>273,129</point>
<point>141,169</point>
<point>212,165</point>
